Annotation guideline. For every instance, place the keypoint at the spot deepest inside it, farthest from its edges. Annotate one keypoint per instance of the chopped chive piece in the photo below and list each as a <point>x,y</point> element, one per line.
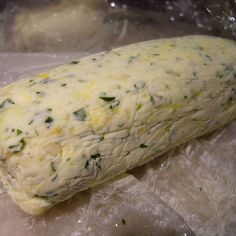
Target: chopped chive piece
<point>53,168</point>
<point>2,159</point>
<point>107,99</point>
<point>127,153</point>
<point>131,58</point>
<point>74,62</point>
<point>219,75</point>
<point>98,165</point>
<point>36,132</point>
<point>18,132</point>
<point>123,221</point>
<point>139,106</point>
<point>143,145</point>
<point>113,101</point>
<point>114,104</point>
<point>152,100</point>
<point>41,196</point>
<point>86,164</point>
<point>63,85</point>
<point>7,101</point>
<point>18,147</point>
<point>171,72</point>
<point>54,178</point>
<point>30,122</point>
<point>80,114</point>
<point>49,120</point>
<point>95,156</point>
<point>209,57</point>
<point>139,85</point>
<point>96,159</point>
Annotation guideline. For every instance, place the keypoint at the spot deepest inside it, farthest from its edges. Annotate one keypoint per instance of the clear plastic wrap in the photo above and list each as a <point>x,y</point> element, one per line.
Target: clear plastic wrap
<point>188,191</point>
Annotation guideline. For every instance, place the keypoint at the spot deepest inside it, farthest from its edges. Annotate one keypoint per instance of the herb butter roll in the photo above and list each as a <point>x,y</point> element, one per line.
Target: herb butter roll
<point>83,123</point>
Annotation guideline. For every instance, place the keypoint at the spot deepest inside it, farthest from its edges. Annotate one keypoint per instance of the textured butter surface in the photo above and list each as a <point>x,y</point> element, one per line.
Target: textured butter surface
<point>83,123</point>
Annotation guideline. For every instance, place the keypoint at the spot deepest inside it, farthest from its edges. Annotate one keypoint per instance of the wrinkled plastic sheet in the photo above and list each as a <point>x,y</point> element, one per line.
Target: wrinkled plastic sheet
<point>188,191</point>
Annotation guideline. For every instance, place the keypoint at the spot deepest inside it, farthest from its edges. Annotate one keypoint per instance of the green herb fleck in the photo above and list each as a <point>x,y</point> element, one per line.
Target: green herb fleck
<point>219,75</point>
<point>102,138</point>
<point>80,114</point>
<point>156,54</point>
<point>54,178</point>
<point>143,145</point>
<point>44,197</point>
<point>139,85</point>
<point>95,156</point>
<point>107,99</point>
<point>112,100</point>
<point>30,122</point>
<point>200,48</point>
<point>171,72</point>
<point>167,86</point>
<point>229,68</point>
<point>114,104</point>
<point>68,159</point>
<point>63,85</point>
<point>74,62</point>
<point>127,153</point>
<point>86,164</point>
<point>230,99</point>
<point>123,221</point>
<point>98,165</point>
<point>45,81</point>
<point>6,102</point>
<point>131,58</point>
<point>36,132</point>
<point>139,106</point>
<point>18,132</point>
<point>152,100</point>
<point>49,120</point>
<point>53,167</point>
<point>2,159</point>
<point>18,147</point>
<point>185,97</point>
<point>210,59</point>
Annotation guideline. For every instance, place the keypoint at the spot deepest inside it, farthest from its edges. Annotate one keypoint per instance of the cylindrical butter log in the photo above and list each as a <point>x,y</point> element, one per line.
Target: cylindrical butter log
<point>83,123</point>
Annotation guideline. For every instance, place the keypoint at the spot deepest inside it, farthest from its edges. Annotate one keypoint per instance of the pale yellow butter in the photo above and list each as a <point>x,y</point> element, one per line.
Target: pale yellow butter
<point>83,123</point>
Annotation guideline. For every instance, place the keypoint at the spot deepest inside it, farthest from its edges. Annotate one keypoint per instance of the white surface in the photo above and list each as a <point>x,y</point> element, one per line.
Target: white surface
<point>197,181</point>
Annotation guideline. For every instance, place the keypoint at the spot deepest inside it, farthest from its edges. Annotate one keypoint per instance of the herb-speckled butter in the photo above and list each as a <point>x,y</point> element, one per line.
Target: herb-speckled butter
<point>81,124</point>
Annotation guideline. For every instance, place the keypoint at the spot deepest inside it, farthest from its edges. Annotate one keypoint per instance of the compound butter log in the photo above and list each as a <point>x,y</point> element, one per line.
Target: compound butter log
<point>86,122</point>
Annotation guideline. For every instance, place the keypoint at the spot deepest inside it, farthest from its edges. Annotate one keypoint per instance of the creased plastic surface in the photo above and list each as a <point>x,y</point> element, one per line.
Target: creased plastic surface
<point>194,186</point>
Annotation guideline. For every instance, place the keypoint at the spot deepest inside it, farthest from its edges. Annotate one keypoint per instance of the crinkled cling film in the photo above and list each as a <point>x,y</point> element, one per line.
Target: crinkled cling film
<point>188,191</point>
